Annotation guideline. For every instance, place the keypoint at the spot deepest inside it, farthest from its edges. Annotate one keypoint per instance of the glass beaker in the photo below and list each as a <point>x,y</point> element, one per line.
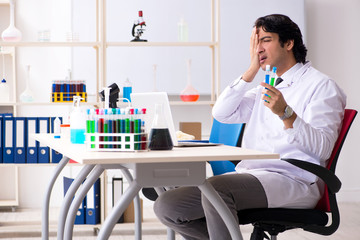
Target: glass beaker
<point>160,138</point>
<point>189,94</point>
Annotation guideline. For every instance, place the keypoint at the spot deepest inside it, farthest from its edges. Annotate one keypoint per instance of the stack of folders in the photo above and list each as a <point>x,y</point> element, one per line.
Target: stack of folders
<point>89,211</point>
<point>16,144</point>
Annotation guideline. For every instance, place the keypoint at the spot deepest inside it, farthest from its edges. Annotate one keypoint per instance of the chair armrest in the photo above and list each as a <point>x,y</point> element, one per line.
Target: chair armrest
<point>331,180</point>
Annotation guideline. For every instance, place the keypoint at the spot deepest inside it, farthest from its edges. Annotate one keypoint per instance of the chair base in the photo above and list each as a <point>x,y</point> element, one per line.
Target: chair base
<point>259,234</point>
<point>277,220</point>
<point>260,230</point>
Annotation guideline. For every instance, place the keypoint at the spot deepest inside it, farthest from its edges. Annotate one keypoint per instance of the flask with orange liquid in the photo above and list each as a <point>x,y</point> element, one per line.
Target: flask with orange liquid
<point>189,94</point>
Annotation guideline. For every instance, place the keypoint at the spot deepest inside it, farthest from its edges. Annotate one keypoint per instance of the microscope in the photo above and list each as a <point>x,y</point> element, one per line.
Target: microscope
<point>138,28</point>
<point>112,99</point>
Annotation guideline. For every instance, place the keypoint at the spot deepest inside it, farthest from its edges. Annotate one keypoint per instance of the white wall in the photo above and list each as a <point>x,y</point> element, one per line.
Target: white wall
<point>331,37</point>
<point>333,42</point>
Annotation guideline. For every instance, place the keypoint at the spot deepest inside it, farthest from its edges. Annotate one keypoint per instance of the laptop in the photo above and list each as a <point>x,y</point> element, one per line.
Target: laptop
<point>148,100</point>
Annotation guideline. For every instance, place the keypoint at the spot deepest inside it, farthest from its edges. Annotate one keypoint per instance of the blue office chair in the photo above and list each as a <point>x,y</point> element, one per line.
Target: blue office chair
<point>228,134</point>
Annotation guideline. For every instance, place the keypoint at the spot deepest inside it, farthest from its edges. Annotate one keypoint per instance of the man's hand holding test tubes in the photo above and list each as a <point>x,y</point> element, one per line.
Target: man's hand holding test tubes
<point>268,79</point>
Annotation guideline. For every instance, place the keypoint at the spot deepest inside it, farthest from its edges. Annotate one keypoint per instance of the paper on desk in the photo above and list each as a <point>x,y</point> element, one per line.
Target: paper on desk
<point>184,136</point>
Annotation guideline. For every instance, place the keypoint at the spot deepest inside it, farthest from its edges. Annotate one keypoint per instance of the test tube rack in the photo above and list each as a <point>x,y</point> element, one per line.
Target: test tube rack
<point>110,142</point>
<point>65,90</point>
<point>116,129</point>
<point>67,97</point>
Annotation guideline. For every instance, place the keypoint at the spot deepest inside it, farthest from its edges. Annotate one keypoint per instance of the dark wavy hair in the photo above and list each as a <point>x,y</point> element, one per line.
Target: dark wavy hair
<point>287,30</point>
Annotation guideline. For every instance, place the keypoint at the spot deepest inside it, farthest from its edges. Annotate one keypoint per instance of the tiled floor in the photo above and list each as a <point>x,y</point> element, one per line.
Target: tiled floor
<point>26,225</point>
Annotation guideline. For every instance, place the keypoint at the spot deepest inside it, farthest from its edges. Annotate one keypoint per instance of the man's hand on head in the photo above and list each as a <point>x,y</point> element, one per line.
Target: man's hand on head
<point>250,74</point>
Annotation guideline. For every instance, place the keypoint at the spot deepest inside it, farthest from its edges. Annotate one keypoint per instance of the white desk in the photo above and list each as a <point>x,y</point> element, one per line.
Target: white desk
<point>179,167</point>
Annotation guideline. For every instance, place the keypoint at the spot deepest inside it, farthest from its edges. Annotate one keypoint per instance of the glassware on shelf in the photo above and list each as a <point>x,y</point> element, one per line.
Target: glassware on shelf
<point>27,95</point>
<point>189,94</point>
<point>154,69</point>
<point>183,35</point>
<point>4,91</point>
<point>72,36</point>
<point>4,86</point>
<point>11,34</point>
<point>44,35</point>
<point>160,138</point>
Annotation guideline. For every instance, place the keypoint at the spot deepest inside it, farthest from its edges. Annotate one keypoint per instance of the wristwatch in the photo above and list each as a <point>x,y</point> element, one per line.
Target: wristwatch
<point>287,113</point>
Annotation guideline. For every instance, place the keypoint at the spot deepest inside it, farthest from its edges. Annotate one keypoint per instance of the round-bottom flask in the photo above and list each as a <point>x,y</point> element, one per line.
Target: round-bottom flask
<point>11,34</point>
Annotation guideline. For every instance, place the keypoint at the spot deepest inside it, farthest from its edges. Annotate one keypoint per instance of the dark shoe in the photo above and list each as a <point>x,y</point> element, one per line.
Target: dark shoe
<point>150,193</point>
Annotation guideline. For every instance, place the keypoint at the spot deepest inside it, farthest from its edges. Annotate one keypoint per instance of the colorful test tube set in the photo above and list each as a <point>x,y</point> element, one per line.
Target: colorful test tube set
<point>270,76</point>
<point>65,90</point>
<point>117,129</point>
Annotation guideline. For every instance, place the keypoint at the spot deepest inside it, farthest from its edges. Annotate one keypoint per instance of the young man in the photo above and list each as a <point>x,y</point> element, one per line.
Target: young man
<point>299,118</point>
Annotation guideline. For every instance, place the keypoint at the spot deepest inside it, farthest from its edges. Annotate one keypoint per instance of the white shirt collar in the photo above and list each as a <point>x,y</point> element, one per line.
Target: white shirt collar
<point>288,76</point>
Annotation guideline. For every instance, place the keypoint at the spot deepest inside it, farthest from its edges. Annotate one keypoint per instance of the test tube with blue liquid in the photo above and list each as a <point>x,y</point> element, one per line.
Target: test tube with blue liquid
<point>267,77</point>
<point>267,74</point>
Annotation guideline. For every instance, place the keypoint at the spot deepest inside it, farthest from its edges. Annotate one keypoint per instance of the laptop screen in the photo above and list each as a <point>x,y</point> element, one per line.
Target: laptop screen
<point>148,100</point>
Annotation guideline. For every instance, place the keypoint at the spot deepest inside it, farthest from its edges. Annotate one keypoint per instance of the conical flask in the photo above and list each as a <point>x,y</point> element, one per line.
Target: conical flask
<point>4,86</point>
<point>189,94</point>
<point>160,138</point>
<point>27,95</point>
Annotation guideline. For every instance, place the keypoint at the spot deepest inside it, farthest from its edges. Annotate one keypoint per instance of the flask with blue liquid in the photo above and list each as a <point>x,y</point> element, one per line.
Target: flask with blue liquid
<point>77,123</point>
<point>4,91</point>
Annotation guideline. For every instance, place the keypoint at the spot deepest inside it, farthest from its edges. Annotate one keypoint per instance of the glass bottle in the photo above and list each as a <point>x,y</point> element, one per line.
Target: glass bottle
<point>160,138</point>
<point>127,90</point>
<point>182,30</point>
<point>189,94</point>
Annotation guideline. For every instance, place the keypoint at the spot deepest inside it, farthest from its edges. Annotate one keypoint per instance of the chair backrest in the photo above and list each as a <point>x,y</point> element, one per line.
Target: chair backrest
<point>349,117</point>
<point>224,133</point>
<point>228,134</point>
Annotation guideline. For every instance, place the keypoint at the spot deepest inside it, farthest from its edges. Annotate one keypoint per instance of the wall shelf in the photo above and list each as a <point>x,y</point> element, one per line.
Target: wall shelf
<point>50,44</point>
<point>102,48</point>
<point>197,103</point>
<point>4,2</point>
<point>162,44</point>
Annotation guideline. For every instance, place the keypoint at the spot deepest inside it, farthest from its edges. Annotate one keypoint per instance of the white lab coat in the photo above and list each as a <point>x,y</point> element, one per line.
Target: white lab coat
<point>319,104</point>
